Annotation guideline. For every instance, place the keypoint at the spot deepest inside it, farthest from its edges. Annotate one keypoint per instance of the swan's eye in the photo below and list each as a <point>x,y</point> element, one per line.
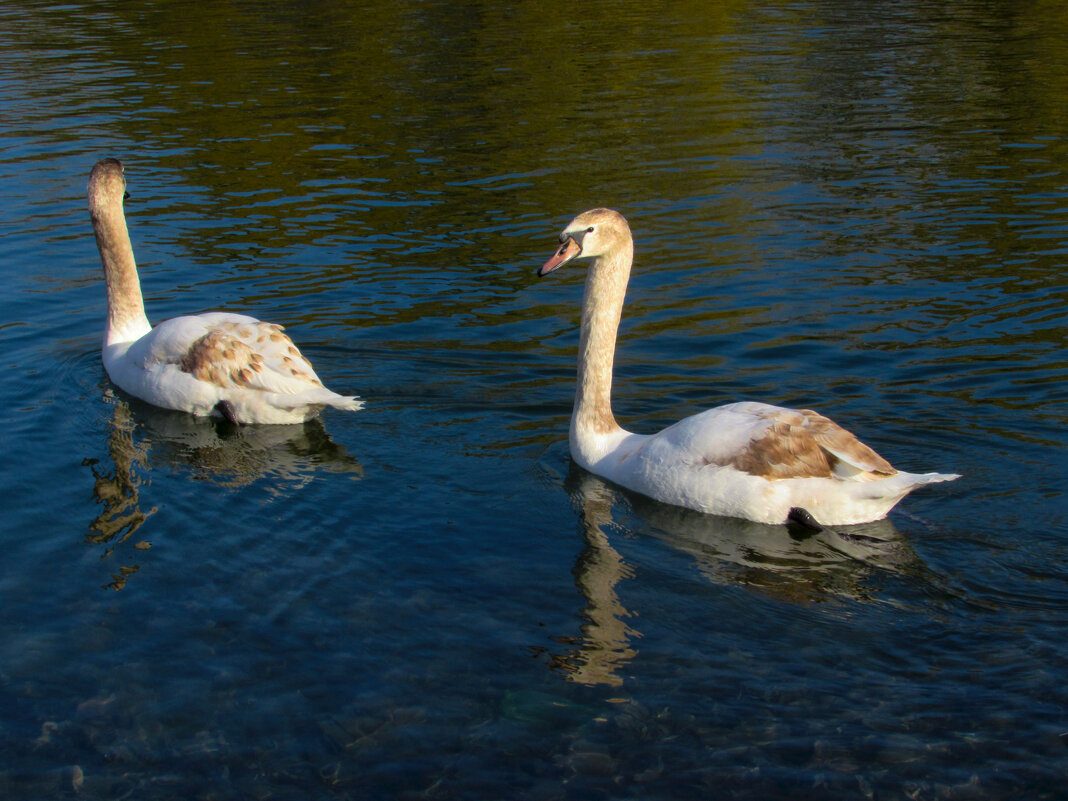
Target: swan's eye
<point>589,230</point>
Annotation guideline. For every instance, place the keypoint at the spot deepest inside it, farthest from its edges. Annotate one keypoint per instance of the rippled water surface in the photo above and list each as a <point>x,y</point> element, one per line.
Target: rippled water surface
<point>860,208</point>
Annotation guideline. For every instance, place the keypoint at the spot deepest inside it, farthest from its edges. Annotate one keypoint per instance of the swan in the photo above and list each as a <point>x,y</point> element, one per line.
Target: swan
<point>217,363</point>
<point>748,460</point>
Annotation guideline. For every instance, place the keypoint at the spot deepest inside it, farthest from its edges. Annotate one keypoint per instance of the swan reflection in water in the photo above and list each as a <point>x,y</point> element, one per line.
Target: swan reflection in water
<point>789,563</point>
<point>211,450</point>
<point>605,645</point>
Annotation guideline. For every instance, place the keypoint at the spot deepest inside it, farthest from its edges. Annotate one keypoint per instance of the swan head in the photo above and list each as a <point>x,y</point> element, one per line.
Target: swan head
<point>107,186</point>
<point>593,233</point>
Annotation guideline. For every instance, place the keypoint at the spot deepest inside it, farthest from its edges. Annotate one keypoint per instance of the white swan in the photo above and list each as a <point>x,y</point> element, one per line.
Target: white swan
<point>215,363</point>
<point>748,460</point>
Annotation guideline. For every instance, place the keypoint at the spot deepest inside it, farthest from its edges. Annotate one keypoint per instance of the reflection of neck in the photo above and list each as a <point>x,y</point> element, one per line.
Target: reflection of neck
<point>120,491</point>
<point>605,649</point>
<point>126,309</point>
<point>606,286</point>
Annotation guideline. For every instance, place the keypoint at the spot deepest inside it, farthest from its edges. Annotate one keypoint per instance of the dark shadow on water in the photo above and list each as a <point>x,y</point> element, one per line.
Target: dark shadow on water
<point>209,450</point>
<point>791,563</point>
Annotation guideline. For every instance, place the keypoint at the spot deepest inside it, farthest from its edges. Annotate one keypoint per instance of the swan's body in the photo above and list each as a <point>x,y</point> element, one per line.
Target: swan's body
<point>748,460</point>
<point>215,363</point>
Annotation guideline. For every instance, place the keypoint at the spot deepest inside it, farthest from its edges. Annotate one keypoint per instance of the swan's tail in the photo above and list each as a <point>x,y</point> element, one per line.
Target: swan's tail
<point>870,500</point>
<point>901,484</point>
<point>320,396</point>
<point>934,478</point>
<point>919,479</point>
<point>352,403</point>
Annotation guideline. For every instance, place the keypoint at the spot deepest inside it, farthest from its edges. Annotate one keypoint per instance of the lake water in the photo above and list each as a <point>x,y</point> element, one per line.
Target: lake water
<point>860,208</point>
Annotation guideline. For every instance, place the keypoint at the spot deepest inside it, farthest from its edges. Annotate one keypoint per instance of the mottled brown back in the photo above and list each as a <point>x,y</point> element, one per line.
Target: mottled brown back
<point>804,444</point>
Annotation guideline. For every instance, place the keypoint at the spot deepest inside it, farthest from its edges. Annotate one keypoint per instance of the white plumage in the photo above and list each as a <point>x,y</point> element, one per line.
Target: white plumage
<point>216,363</point>
<point>749,460</point>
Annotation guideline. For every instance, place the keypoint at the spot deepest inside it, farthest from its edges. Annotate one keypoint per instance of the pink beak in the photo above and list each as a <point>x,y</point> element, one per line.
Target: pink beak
<point>565,253</point>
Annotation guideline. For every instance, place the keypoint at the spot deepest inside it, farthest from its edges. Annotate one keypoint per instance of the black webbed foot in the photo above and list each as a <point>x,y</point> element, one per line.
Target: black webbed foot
<point>803,517</point>
<point>227,410</point>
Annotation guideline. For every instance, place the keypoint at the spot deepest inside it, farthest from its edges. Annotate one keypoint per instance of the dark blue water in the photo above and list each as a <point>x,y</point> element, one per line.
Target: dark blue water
<point>858,209</point>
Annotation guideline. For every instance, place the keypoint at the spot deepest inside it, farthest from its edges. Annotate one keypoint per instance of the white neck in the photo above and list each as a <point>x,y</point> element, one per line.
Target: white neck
<point>126,308</point>
<point>592,422</point>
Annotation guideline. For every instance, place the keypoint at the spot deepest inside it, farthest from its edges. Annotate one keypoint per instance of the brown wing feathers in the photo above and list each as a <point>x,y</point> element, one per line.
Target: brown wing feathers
<point>805,444</point>
<point>223,357</point>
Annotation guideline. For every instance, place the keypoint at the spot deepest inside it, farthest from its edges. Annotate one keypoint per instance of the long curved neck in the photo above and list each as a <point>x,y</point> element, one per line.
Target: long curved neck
<point>606,286</point>
<point>126,308</point>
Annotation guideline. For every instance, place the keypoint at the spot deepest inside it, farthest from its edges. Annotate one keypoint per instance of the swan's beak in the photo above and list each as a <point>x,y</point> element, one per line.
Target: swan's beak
<point>567,251</point>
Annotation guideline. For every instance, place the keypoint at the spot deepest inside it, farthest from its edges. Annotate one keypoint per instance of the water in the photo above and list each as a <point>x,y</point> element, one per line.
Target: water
<point>855,208</point>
